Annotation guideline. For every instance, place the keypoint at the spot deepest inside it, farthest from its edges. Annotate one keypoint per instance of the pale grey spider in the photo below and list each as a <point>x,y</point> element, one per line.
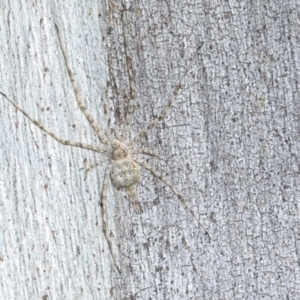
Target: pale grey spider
<point>122,169</point>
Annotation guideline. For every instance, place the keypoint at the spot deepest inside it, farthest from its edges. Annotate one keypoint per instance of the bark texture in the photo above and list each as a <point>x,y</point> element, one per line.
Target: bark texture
<point>230,144</point>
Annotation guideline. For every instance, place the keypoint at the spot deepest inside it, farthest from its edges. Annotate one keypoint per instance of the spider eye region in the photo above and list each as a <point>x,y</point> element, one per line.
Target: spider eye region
<point>119,150</point>
<point>124,173</point>
<point>115,144</point>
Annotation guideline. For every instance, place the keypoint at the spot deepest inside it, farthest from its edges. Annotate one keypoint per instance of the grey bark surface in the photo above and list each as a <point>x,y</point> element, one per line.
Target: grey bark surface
<point>230,143</point>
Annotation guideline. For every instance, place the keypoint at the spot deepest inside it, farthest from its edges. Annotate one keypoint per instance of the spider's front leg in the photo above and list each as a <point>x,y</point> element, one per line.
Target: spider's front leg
<point>131,107</point>
<point>169,104</point>
<point>147,152</point>
<point>99,132</point>
<point>62,141</point>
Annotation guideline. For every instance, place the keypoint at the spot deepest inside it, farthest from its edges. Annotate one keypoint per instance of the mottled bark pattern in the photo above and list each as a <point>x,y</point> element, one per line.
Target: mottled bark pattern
<point>230,144</point>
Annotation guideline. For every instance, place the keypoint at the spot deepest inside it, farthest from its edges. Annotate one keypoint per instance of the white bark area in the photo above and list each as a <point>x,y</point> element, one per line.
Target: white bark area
<point>231,144</point>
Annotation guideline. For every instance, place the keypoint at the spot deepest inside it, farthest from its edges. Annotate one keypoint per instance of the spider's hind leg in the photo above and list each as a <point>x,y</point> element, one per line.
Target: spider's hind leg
<point>94,165</point>
<point>174,190</point>
<point>105,218</point>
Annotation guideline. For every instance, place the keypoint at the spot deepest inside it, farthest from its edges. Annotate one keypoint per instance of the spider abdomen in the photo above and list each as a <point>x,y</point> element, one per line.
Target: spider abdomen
<point>124,173</point>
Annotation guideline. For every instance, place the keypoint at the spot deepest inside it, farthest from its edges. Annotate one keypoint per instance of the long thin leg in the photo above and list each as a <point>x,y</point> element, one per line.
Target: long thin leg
<point>166,109</point>
<point>132,103</point>
<point>146,152</point>
<point>86,112</point>
<point>94,165</point>
<point>52,134</point>
<point>169,184</point>
<point>104,216</point>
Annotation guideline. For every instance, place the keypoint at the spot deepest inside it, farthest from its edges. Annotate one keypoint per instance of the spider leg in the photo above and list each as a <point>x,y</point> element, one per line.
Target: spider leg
<point>101,135</point>
<point>167,108</point>
<point>94,165</point>
<point>104,216</point>
<point>174,190</point>
<point>132,102</point>
<point>146,152</point>
<point>52,134</point>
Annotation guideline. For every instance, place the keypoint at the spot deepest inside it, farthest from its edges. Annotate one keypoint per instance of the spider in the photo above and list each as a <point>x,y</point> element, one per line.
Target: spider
<point>123,164</point>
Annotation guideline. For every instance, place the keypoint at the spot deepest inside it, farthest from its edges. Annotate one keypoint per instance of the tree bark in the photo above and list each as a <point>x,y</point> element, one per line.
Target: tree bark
<point>230,146</point>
